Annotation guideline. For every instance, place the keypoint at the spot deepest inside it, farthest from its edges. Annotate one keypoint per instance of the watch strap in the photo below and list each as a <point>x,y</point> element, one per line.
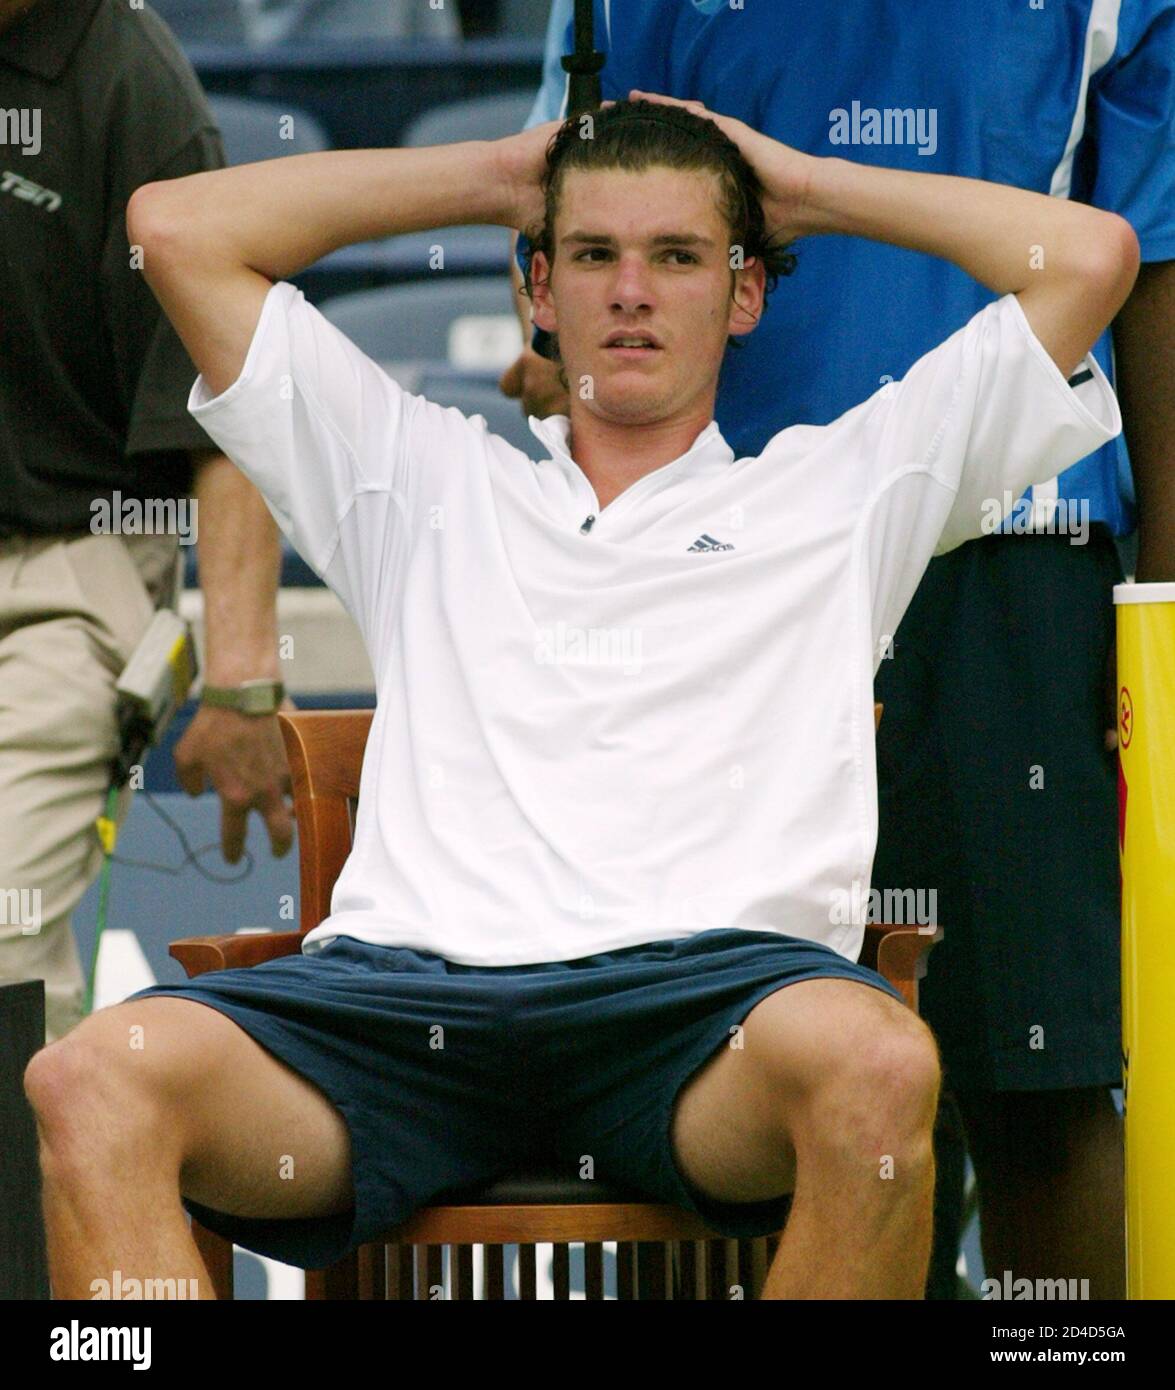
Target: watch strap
<point>250,697</point>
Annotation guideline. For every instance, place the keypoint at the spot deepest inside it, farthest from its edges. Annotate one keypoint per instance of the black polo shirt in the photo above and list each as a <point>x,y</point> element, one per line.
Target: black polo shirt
<point>94,382</point>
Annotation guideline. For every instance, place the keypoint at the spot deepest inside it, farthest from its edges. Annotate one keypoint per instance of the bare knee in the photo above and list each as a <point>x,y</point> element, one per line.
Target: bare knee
<point>903,1073</point>
<point>93,1099</point>
<point>876,1095</point>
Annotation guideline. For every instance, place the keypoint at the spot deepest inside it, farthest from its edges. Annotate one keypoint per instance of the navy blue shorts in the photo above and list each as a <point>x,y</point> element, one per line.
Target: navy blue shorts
<point>450,1076</point>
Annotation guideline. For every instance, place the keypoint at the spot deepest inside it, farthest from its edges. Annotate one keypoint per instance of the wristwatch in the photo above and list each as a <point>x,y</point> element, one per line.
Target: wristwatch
<point>250,697</point>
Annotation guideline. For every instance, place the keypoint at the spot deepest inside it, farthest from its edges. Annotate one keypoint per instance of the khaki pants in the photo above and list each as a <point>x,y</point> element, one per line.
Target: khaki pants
<point>72,610</point>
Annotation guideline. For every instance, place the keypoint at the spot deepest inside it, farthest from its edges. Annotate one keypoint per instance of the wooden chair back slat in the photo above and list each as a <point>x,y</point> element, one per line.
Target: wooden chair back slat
<point>653,1283</point>
<point>561,1271</point>
<point>372,1273</point>
<point>693,1270</point>
<point>435,1269</point>
<point>463,1278</point>
<point>625,1270</point>
<point>593,1270</point>
<point>494,1272</point>
<point>399,1276</point>
<point>325,752</point>
<point>527,1283</point>
<point>759,1266</point>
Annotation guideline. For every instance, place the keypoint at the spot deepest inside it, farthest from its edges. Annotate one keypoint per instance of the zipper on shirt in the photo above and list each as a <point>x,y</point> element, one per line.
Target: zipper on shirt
<point>631,493</point>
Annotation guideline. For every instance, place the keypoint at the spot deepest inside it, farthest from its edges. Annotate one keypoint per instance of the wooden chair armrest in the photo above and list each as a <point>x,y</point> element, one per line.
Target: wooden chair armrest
<point>198,954</point>
<point>896,952</point>
<point>899,954</point>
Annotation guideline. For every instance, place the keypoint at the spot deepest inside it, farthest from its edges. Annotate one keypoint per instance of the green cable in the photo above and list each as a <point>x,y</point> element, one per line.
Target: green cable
<point>107,834</point>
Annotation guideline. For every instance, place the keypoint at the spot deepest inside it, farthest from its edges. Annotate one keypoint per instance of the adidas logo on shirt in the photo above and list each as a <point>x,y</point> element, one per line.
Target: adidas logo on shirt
<point>709,543</point>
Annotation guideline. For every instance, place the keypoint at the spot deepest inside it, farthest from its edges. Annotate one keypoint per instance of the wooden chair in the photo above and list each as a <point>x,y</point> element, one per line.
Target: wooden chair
<point>662,1251</point>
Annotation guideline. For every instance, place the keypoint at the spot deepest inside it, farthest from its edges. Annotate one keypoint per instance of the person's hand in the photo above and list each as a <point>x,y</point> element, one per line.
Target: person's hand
<point>243,756</point>
<point>522,162</point>
<point>784,172</point>
<point>534,379</point>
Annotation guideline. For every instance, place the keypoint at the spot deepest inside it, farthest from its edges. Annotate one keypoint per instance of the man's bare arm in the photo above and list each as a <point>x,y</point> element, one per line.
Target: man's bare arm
<point>1144,348</point>
<point>241,755</point>
<point>240,565</point>
<point>1071,266</point>
<point>214,243</point>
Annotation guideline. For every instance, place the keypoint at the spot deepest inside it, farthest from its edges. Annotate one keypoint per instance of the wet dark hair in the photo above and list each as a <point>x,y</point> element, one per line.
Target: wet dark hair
<point>637,135</point>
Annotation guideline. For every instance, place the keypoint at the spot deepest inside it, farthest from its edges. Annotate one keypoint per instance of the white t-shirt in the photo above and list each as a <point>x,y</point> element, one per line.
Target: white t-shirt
<point>663,725</point>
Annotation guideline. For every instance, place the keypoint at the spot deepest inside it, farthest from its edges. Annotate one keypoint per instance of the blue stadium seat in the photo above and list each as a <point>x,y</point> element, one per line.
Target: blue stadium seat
<point>474,396</point>
<point>370,264</point>
<point>411,323</point>
<point>253,130</point>
<point>204,21</point>
<point>366,93</point>
<point>483,118</point>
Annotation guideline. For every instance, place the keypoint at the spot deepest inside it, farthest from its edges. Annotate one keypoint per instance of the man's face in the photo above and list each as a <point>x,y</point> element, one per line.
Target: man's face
<point>644,254</point>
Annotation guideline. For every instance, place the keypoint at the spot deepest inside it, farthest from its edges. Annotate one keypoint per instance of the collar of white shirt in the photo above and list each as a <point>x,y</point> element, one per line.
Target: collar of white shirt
<point>707,455</point>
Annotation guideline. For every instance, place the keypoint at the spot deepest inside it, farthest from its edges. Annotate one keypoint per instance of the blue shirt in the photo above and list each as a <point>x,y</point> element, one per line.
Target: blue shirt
<point>1076,98</point>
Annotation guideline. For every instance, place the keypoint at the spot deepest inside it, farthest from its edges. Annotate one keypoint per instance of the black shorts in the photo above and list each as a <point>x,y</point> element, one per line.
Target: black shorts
<point>450,1076</point>
<point>996,791</point>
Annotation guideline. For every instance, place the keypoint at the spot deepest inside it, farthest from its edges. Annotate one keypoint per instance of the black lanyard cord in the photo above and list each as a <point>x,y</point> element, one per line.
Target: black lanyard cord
<point>583,63</point>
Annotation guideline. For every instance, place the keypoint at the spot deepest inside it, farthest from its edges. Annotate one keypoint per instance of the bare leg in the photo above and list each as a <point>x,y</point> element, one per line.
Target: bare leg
<point>862,1217</point>
<point>833,1095</point>
<point>1050,1171</point>
<point>153,1096</point>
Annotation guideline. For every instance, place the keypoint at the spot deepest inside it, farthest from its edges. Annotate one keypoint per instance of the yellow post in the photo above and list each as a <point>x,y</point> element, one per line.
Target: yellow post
<point>1146,842</point>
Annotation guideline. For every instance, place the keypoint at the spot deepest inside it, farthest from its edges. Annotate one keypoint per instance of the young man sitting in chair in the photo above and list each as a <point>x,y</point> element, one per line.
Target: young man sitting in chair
<point>620,782</point>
